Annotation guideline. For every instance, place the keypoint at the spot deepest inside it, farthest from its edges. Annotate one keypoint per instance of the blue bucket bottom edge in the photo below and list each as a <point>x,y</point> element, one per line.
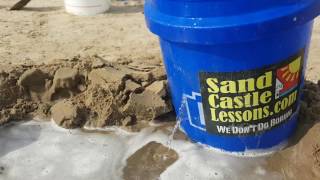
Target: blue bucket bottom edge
<point>270,143</point>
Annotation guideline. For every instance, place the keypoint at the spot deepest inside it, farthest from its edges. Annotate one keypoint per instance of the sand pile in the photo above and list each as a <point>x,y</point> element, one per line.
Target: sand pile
<point>84,92</point>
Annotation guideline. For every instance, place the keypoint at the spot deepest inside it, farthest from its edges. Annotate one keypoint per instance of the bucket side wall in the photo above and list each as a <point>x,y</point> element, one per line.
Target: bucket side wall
<point>184,62</point>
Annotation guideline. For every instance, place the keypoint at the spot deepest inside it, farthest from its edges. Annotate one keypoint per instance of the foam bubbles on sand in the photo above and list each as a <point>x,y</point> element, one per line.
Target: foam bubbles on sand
<point>34,150</point>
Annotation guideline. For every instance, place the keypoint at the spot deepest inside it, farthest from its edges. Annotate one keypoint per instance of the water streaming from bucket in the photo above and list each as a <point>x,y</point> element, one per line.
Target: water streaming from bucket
<point>177,125</point>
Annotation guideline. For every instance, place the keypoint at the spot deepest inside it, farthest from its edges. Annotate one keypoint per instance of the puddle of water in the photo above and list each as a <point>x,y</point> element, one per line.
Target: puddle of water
<point>37,151</point>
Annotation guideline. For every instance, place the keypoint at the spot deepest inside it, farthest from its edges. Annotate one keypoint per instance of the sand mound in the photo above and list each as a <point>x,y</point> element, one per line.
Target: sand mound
<point>84,92</point>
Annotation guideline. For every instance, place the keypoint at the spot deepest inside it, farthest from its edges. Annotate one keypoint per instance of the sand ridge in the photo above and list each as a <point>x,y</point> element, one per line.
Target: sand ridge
<point>84,91</point>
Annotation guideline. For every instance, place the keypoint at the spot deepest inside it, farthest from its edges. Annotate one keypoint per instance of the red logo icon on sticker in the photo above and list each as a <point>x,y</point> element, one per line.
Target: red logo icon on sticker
<point>288,77</point>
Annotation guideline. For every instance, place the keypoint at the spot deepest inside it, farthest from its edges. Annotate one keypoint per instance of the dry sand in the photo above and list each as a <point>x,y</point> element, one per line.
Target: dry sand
<point>43,32</point>
<point>84,92</point>
<point>40,42</point>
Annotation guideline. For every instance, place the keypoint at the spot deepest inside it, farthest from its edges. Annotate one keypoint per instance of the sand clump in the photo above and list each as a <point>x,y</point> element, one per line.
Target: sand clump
<point>68,114</point>
<point>149,162</point>
<point>316,154</point>
<point>84,91</point>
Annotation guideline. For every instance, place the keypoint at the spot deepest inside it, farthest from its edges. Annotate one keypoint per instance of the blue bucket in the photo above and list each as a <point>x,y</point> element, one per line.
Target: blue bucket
<point>235,67</point>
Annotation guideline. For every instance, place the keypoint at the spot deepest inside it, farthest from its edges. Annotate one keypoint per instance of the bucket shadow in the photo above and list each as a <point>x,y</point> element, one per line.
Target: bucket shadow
<point>13,137</point>
<point>307,117</point>
<point>43,9</point>
<point>126,9</point>
<point>166,118</point>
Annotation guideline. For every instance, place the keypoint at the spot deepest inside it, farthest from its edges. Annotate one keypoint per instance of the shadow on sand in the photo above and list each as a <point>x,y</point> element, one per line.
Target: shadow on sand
<point>42,9</point>
<point>126,9</point>
<point>14,137</point>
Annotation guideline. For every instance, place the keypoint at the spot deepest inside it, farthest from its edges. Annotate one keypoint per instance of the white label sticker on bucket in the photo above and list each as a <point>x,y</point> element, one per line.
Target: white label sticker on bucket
<point>251,102</point>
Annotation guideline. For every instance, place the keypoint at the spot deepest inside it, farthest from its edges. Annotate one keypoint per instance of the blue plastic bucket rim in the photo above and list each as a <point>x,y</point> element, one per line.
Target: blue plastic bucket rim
<point>229,29</point>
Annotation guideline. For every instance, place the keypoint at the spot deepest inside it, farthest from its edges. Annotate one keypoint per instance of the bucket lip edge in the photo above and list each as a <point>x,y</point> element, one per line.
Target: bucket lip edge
<point>162,24</point>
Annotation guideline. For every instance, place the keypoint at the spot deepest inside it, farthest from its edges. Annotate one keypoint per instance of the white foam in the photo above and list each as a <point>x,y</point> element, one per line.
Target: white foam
<point>37,150</point>
<point>41,151</point>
